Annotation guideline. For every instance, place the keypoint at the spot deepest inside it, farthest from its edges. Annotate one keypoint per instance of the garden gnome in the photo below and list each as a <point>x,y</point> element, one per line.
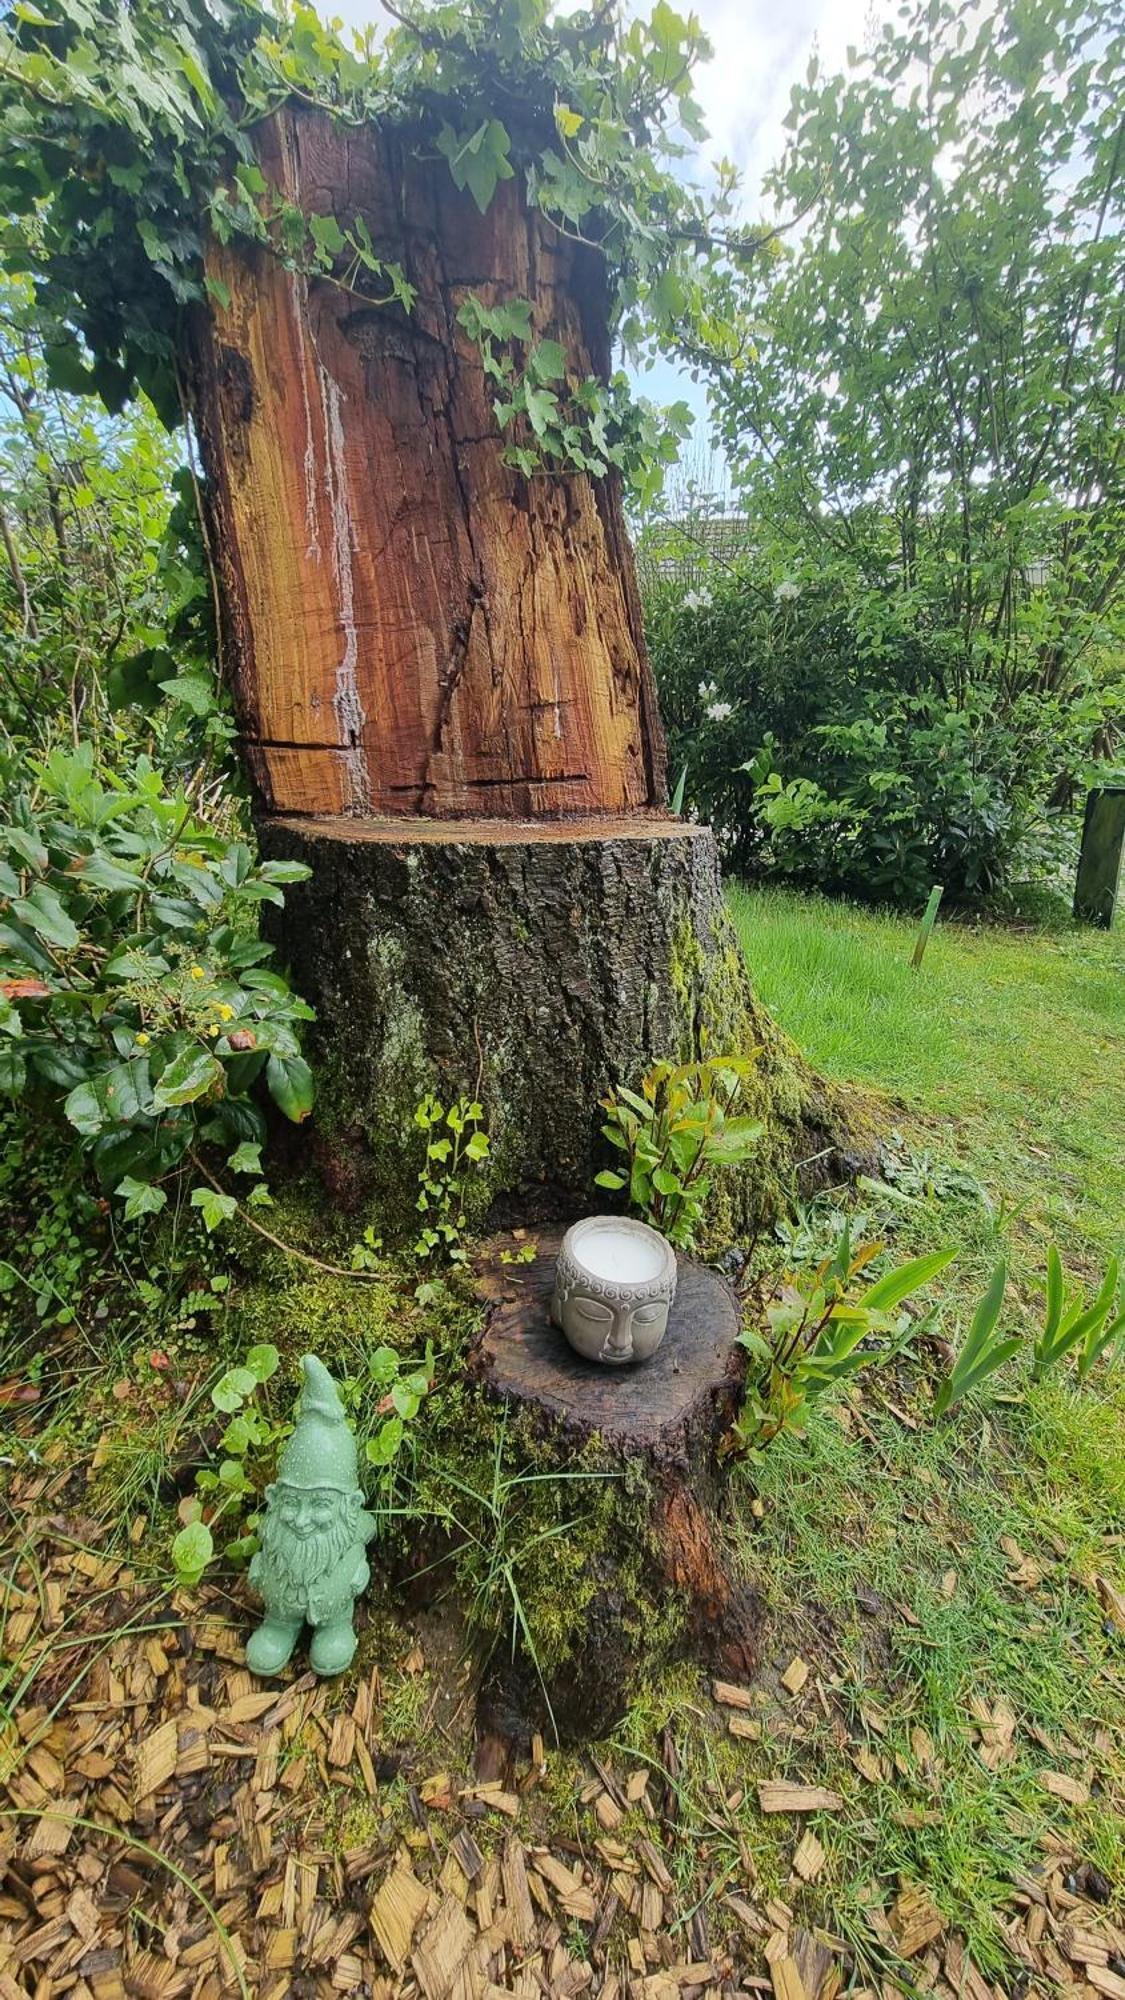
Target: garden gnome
<point>310,1567</point>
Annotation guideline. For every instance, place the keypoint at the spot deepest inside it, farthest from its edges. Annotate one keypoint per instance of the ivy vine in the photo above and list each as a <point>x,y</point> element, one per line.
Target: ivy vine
<point>127,133</point>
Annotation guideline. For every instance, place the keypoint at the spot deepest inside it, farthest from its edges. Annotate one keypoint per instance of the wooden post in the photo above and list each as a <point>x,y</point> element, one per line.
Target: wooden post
<point>925,928</point>
<point>1098,882</point>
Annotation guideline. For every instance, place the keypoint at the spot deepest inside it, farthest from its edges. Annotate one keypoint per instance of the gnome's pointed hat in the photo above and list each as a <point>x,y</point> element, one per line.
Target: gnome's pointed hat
<point>321,1451</point>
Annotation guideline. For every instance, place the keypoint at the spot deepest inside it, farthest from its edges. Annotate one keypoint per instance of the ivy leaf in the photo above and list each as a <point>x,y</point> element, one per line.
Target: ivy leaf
<point>215,1208</point>
<point>328,236</point>
<point>479,161</point>
<point>246,1158</point>
<point>140,1197</point>
<point>547,361</point>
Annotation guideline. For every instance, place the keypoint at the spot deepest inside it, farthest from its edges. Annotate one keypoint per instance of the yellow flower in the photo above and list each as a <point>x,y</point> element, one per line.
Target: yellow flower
<point>226,1013</point>
<point>142,1039</point>
<point>212,1028</point>
<point>197,972</point>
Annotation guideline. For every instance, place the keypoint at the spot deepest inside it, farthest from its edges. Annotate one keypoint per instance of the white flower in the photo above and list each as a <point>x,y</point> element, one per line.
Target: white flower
<point>719,711</point>
<point>786,592</point>
<point>697,600</point>
<point>708,690</point>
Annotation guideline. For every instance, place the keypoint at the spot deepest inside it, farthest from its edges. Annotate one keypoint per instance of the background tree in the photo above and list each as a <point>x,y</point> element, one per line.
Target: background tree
<point>923,416</point>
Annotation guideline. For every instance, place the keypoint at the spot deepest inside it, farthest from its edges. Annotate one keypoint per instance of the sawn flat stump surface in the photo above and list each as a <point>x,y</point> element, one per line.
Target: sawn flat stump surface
<point>638,1408</point>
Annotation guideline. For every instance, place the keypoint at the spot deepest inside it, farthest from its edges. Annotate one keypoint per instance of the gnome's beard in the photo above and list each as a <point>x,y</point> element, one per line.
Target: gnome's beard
<point>288,1564</point>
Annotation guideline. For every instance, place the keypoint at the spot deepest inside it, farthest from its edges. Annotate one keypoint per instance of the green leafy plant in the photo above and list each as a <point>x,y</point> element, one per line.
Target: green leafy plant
<point>228,1489</point>
<point>132,985</point>
<point>817,1326</point>
<point>1072,1324</point>
<point>552,424</point>
<point>404,1386</point>
<point>456,1147</point>
<point>499,1519</point>
<point>983,1351</point>
<point>675,1133</point>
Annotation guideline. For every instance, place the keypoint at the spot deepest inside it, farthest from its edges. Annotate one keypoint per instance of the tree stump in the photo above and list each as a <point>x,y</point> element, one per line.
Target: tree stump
<point>663,1420</point>
<point>534,966</point>
<point>409,624</point>
<point>443,696</point>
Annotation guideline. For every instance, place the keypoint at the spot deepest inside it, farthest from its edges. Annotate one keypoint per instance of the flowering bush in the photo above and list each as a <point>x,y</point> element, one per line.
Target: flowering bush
<point>820,741</point>
<point>133,989</point>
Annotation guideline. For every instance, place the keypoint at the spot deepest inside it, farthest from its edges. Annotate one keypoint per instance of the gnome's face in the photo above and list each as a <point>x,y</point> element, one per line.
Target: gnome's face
<point>306,1514</point>
<point>305,1531</point>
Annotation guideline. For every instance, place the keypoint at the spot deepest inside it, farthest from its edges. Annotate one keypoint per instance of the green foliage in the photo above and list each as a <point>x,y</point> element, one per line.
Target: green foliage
<point>105,602</point>
<point>922,417</point>
<point>817,1327</point>
<point>507,1521</point>
<point>456,1145</point>
<point>983,1351</point>
<point>675,1133</point>
<point>403,1389</point>
<point>125,136</point>
<point>133,991</point>
<point>1071,1324</point>
<point>249,1443</point>
<point>53,1230</point>
<point>551,423</point>
<point>821,741</point>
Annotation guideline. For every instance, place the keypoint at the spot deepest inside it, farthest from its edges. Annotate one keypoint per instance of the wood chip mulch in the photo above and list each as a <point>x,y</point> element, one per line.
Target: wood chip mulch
<point>170,1826</point>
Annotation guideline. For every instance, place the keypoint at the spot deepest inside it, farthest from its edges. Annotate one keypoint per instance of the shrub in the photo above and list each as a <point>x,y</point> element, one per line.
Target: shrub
<point>821,743</point>
<point>133,989</point>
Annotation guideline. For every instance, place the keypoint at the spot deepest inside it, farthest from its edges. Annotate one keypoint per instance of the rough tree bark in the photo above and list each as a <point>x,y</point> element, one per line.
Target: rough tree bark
<point>536,972</point>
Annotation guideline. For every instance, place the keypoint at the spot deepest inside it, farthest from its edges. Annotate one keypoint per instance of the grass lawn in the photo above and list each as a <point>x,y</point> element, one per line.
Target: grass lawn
<point>1009,1044</point>
<point>948,1584</point>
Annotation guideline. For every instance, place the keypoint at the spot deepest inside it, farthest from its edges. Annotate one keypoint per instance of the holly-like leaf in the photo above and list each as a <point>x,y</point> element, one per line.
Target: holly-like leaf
<point>188,1077</point>
<point>290,1082</point>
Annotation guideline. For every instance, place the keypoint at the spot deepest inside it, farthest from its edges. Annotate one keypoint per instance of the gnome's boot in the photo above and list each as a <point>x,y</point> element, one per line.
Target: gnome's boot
<point>333,1646</point>
<point>270,1647</point>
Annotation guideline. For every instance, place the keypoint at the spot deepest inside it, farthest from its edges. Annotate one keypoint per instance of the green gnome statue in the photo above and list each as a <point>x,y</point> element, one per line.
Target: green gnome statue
<point>311,1566</point>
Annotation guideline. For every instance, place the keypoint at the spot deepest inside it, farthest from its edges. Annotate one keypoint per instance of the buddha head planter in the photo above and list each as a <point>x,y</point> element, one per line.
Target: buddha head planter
<point>614,1284</point>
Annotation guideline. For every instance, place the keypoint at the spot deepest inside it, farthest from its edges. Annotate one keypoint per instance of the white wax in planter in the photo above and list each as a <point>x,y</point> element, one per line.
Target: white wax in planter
<point>619,1256</point>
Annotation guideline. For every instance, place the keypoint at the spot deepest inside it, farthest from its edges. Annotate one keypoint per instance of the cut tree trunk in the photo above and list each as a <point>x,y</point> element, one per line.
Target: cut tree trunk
<point>664,1421</point>
<point>409,624</point>
<point>536,973</point>
<point>443,695</point>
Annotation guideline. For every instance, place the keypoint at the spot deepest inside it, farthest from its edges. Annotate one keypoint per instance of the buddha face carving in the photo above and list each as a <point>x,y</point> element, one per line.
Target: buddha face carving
<point>614,1285</point>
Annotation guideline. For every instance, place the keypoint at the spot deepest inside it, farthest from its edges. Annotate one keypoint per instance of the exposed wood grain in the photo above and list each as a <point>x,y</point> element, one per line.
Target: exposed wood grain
<point>410,625</point>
